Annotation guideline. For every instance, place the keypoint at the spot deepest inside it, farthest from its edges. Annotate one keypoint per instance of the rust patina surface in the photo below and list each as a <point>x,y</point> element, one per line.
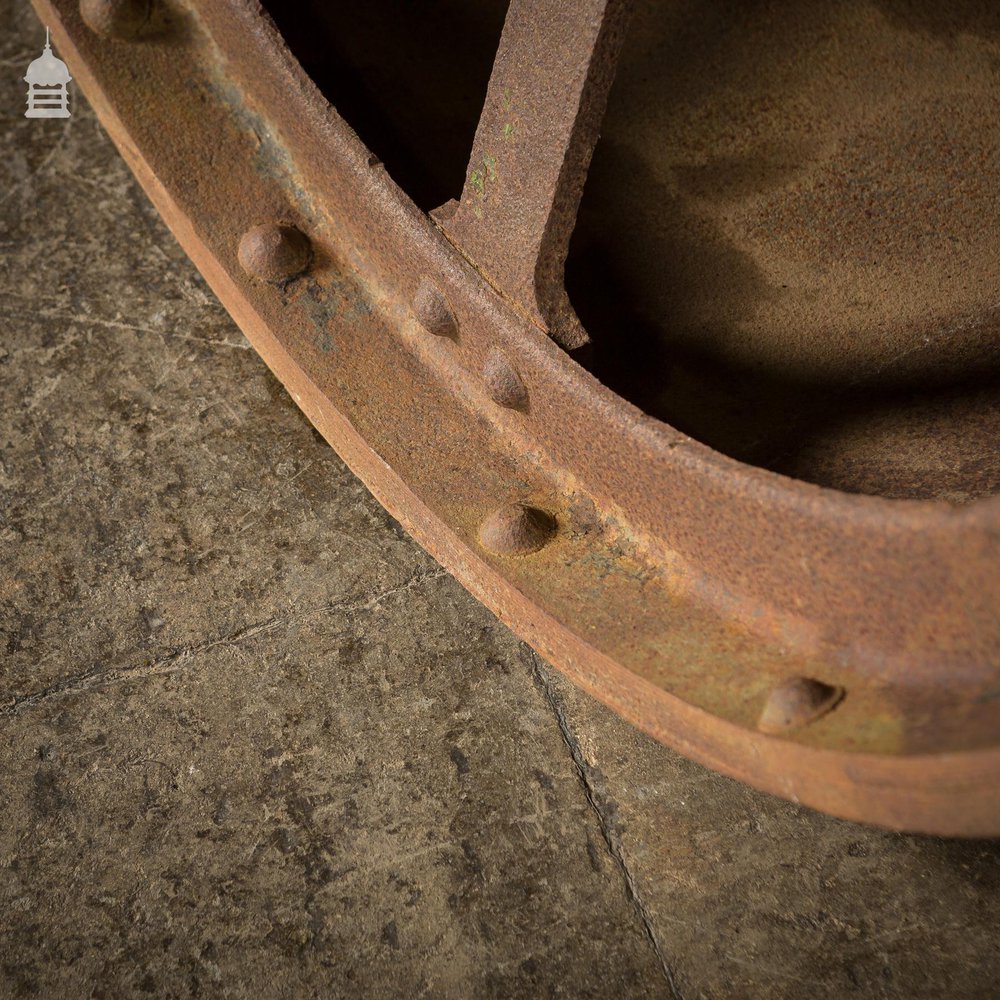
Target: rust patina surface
<point>704,599</point>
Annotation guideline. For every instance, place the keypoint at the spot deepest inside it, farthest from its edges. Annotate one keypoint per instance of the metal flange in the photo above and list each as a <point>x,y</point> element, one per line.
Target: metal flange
<point>838,650</point>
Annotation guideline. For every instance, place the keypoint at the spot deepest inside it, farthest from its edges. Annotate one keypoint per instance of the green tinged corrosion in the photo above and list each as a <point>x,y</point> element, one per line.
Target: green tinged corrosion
<point>480,177</point>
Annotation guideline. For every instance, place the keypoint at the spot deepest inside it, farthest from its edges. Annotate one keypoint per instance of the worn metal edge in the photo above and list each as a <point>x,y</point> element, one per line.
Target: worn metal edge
<point>920,792</point>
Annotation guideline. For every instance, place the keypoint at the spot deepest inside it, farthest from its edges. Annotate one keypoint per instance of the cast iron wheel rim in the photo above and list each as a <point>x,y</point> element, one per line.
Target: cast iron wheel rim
<point>700,598</point>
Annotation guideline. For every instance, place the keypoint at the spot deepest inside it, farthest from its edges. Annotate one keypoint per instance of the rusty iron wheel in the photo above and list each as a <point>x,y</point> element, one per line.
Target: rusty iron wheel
<point>835,648</point>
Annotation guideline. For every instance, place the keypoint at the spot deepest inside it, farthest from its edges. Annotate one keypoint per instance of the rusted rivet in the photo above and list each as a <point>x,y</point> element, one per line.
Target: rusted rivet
<point>274,252</point>
<point>516,529</point>
<point>503,383</point>
<point>433,311</point>
<point>124,19</point>
<point>796,703</point>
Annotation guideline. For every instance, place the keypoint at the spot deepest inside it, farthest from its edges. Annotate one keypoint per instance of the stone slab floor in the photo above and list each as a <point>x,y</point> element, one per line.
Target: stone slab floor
<point>255,743</point>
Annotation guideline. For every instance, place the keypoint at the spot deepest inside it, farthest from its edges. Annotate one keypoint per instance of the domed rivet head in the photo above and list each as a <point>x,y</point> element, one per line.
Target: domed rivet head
<point>274,252</point>
<point>433,311</point>
<point>125,19</point>
<point>796,703</point>
<point>516,529</point>
<point>503,383</point>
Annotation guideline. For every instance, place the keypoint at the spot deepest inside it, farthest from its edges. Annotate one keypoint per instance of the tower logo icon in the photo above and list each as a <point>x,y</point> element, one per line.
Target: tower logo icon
<point>47,79</point>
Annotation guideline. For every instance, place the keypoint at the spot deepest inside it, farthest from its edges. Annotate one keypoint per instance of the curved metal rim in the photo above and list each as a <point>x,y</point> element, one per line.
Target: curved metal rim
<point>950,793</point>
<point>856,529</point>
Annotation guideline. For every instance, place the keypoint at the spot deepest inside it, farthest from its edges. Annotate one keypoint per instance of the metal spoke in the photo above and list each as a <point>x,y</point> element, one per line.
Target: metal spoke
<point>532,150</point>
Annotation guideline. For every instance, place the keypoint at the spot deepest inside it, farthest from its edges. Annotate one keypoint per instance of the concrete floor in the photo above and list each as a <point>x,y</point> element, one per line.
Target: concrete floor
<point>255,743</point>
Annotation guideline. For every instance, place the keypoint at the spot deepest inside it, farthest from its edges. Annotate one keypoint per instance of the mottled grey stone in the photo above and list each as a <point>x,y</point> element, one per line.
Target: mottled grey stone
<point>756,897</point>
